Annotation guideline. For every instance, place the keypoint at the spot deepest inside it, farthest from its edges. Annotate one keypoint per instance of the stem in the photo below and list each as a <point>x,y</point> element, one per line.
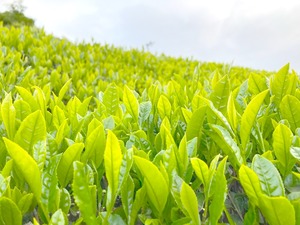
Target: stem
<point>235,206</point>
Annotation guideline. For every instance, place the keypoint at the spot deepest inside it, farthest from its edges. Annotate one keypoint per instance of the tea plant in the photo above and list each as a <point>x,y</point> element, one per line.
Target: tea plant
<point>95,134</point>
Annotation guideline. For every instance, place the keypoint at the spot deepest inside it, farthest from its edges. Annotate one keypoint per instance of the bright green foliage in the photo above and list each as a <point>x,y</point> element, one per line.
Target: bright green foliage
<point>25,165</point>
<point>189,202</point>
<point>9,212</point>
<point>94,134</point>
<point>157,191</point>
<point>82,194</point>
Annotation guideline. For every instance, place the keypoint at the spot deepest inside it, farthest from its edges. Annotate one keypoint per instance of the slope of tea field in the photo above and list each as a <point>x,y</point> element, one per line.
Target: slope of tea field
<point>94,134</point>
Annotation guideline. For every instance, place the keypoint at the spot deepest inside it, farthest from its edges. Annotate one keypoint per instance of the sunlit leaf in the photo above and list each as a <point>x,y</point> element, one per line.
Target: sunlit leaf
<point>27,167</point>
<point>249,116</point>
<point>189,201</point>
<point>9,212</point>
<point>65,166</point>
<point>131,103</point>
<point>31,131</point>
<point>277,210</point>
<point>82,195</point>
<point>270,180</point>
<point>157,191</point>
<point>164,106</point>
<point>289,107</point>
<point>8,114</point>
<point>250,183</point>
<point>282,141</point>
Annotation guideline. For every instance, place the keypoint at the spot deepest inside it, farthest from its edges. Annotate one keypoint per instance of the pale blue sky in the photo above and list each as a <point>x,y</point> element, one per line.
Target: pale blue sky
<point>262,34</point>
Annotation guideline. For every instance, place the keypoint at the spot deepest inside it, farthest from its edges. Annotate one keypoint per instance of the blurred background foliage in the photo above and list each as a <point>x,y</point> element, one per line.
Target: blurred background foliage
<point>14,16</point>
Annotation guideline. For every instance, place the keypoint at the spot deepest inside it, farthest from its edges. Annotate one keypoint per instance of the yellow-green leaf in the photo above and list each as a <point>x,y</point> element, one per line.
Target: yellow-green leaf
<point>82,194</point>
<point>282,141</point>
<point>31,131</point>
<point>65,166</point>
<point>277,210</point>
<point>250,183</point>
<point>26,165</point>
<point>249,116</point>
<point>8,114</point>
<point>201,170</point>
<point>112,161</point>
<point>156,185</point>
<point>164,106</point>
<point>190,202</point>
<point>289,108</point>
<point>131,103</point>
<point>9,212</point>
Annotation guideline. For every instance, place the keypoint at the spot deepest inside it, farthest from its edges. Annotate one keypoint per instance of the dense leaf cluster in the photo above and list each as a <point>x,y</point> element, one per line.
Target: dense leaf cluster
<point>95,134</point>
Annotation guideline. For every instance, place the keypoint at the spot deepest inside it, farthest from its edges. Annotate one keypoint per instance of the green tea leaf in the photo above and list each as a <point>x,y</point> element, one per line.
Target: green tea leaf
<point>190,202</point>
<point>282,141</point>
<point>82,194</point>
<point>127,195</point>
<point>112,161</point>
<point>111,99</point>
<point>27,97</point>
<point>201,170</point>
<point>277,210</point>
<point>139,201</point>
<point>58,116</point>
<point>65,166</point>
<point>249,116</point>
<point>64,89</point>
<point>224,140</point>
<point>50,191</point>
<point>26,165</point>
<point>295,151</point>
<point>279,84</point>
<point>31,131</point>
<point>8,114</point>
<point>131,103</point>
<point>157,191</point>
<point>270,180</point>
<point>4,184</point>
<point>256,83</point>
<point>250,183</point>
<point>95,146</point>
<point>25,203</point>
<point>58,218</point>
<point>220,94</point>
<point>164,107</point>
<point>232,113</point>
<point>289,107</point>
<point>219,190</point>
<point>194,126</point>
<point>22,109</point>
<point>64,200</point>
<point>9,212</point>
<point>144,111</point>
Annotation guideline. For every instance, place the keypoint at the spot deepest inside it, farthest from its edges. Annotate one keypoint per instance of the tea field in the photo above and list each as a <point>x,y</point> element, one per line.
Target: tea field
<point>95,134</point>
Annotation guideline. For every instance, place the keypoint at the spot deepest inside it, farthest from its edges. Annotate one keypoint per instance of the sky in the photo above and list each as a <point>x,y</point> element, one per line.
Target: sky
<point>261,34</point>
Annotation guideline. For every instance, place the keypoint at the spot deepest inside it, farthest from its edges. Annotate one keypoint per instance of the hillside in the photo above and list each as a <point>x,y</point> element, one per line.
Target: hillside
<point>95,134</point>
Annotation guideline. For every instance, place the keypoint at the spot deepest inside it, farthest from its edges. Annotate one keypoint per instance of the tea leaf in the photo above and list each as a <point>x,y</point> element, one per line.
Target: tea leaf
<point>31,131</point>
<point>190,203</point>
<point>249,116</point>
<point>9,212</point>
<point>26,165</point>
<point>157,191</point>
<point>82,194</point>
<point>270,180</point>
<point>289,107</point>
<point>65,166</point>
